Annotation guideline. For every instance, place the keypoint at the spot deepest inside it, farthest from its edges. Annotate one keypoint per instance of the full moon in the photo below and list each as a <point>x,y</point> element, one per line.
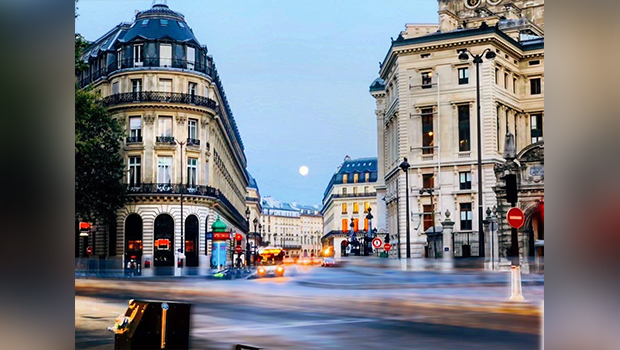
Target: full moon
<point>303,170</point>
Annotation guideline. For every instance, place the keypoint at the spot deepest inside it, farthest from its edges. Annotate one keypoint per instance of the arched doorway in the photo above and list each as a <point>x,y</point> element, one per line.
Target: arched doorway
<point>536,232</point>
<point>164,241</point>
<point>191,240</point>
<point>133,238</point>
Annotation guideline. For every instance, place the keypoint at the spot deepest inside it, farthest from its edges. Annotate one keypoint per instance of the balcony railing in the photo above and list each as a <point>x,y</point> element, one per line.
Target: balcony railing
<point>165,139</point>
<point>351,195</point>
<point>192,190</point>
<point>158,96</point>
<point>133,139</point>
<point>193,142</point>
<point>146,63</point>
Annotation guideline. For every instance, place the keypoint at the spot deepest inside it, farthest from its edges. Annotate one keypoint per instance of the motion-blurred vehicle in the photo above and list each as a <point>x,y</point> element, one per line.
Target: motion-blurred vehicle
<point>304,261</point>
<point>288,260</point>
<point>316,260</point>
<point>328,262</point>
<point>271,263</point>
<point>225,274</point>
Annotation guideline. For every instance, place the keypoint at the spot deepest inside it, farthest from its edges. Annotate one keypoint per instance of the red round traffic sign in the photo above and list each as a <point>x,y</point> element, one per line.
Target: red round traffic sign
<point>89,250</point>
<point>515,217</point>
<point>376,242</point>
<point>387,247</point>
<point>238,249</point>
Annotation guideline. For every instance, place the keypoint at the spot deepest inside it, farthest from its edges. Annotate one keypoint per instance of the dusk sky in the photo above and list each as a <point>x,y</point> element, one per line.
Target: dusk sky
<point>296,74</point>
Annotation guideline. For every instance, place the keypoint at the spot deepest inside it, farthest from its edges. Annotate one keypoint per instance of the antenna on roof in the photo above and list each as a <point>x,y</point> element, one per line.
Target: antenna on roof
<point>159,2</point>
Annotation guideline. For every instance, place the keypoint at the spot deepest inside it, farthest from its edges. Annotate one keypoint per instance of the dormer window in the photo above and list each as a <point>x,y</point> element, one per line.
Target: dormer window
<point>138,55</point>
<point>145,22</point>
<point>163,22</point>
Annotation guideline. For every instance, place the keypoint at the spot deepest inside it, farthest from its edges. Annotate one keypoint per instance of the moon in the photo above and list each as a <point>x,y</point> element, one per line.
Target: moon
<point>303,170</point>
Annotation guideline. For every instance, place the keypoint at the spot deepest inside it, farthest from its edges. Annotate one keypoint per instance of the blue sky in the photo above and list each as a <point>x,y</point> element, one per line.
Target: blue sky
<point>296,74</point>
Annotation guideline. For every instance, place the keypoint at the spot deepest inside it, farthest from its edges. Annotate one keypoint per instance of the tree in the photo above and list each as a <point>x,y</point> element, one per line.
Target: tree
<point>99,168</point>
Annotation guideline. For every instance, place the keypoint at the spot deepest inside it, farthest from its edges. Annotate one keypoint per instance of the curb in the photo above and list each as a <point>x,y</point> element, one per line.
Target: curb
<point>412,285</point>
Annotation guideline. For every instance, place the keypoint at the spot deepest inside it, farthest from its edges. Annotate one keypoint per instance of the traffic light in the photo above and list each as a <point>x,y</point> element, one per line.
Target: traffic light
<point>510,188</point>
<point>387,238</point>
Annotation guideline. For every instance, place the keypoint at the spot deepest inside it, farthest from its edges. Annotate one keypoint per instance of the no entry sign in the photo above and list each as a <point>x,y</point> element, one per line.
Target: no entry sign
<point>238,249</point>
<point>515,217</point>
<point>387,247</point>
<point>376,243</point>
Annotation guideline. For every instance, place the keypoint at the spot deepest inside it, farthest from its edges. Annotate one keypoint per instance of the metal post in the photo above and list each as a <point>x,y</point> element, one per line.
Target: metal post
<point>407,216</point>
<point>182,190</point>
<point>433,218</point>
<point>478,61</point>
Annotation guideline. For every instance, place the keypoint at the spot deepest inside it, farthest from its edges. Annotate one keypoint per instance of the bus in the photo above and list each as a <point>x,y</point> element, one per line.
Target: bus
<point>271,262</point>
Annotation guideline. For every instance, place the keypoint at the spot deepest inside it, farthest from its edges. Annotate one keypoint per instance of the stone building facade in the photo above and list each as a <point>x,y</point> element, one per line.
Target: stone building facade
<point>347,198</point>
<point>182,144</point>
<point>426,112</point>
<point>294,227</point>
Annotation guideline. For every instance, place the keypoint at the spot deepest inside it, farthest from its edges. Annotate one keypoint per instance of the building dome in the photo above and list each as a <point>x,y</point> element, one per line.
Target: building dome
<point>218,226</point>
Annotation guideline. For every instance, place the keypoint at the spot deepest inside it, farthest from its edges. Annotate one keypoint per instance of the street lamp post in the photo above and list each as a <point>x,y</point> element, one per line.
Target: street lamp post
<point>477,59</point>
<point>182,249</point>
<point>405,167</point>
<point>369,217</point>
<point>353,238</point>
<point>247,238</point>
<point>430,192</point>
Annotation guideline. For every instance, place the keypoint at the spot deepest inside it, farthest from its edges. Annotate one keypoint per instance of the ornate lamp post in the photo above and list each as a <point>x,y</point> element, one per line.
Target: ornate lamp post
<point>477,59</point>
<point>181,190</point>
<point>247,238</point>
<point>405,167</point>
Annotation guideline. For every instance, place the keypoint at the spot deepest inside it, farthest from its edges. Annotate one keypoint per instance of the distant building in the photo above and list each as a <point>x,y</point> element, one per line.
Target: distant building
<point>426,112</point>
<point>350,193</point>
<point>297,228</point>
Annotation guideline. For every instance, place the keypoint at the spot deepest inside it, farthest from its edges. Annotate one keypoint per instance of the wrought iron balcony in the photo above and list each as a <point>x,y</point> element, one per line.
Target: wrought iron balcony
<point>193,142</point>
<point>191,190</point>
<point>165,139</point>
<point>158,96</point>
<point>147,63</point>
<point>133,139</point>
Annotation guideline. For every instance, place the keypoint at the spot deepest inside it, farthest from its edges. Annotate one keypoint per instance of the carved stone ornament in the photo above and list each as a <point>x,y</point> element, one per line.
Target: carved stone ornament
<point>181,119</point>
<point>149,119</point>
<point>204,121</point>
<point>534,155</point>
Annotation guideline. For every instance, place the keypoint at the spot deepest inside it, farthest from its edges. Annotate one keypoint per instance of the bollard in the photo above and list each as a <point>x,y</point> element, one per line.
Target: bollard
<point>515,284</point>
<point>152,325</point>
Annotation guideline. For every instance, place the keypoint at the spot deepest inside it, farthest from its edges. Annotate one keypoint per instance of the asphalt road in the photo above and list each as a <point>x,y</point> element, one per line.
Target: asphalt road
<point>222,322</point>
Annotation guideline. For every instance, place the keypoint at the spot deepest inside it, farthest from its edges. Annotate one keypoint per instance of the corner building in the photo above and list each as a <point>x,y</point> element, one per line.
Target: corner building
<point>155,77</point>
<point>426,112</point>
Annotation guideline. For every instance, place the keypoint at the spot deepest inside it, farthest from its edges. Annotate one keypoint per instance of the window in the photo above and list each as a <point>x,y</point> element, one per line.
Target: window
<point>135,171</point>
<point>165,126</point>
<point>115,88</point>
<point>365,189</point>
<point>136,85</point>
<point>428,216</point>
<point>465,180</point>
<point>191,57</point>
<point>355,177</point>
<point>463,76</point>
<point>206,166</point>
<point>496,75</point>
<point>165,85</point>
<point>366,224</point>
<point>534,63</point>
<point>428,180</point>
<point>345,225</point>
<point>536,124</point>
<point>464,145</point>
<point>466,216</point>
<point>134,245</point>
<point>344,178</point>
<point>163,22</point>
<point>514,85</point>
<point>135,129</point>
<point>535,86</point>
<point>427,78</point>
<point>427,131</point>
<point>506,76</point>
<point>425,55</point>
<point>165,55</point>
<point>192,130</point>
<point>356,208</point>
<point>354,190</point>
<point>192,172</point>
<point>366,207</point>
<point>344,191</point>
<point>191,89</point>
<point>119,58</point>
<point>367,177</point>
<point>498,128</point>
<point>164,170</point>
<point>344,208</point>
<point>138,55</point>
<point>356,225</point>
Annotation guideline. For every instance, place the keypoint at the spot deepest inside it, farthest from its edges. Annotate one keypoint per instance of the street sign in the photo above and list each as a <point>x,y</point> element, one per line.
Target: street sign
<point>344,243</point>
<point>238,249</point>
<point>387,247</point>
<point>515,217</point>
<point>89,251</point>
<point>221,235</point>
<point>377,243</point>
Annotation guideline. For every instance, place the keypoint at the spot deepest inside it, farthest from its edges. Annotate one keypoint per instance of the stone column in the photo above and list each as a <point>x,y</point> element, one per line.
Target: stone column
<point>448,254</point>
